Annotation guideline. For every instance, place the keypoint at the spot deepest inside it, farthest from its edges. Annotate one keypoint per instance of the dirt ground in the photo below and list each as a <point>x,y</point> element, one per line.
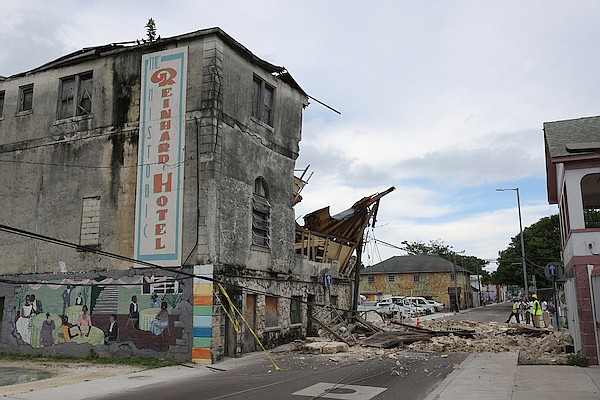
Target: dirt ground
<point>62,374</point>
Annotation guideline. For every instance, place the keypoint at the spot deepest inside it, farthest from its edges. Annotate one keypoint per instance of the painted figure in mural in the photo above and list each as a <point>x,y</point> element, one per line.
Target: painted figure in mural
<point>154,303</point>
<point>79,299</point>
<point>134,312</point>
<point>161,321</point>
<point>37,305</point>
<point>24,321</point>
<point>66,297</point>
<point>112,333</point>
<point>64,335</point>
<point>84,320</point>
<point>47,336</point>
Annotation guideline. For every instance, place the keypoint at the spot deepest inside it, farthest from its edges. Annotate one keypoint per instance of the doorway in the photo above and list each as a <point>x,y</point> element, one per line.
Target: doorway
<point>250,316</point>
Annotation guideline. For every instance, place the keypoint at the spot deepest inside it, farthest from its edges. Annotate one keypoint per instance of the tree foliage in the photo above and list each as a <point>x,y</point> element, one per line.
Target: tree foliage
<point>151,30</point>
<point>542,246</point>
<point>473,264</point>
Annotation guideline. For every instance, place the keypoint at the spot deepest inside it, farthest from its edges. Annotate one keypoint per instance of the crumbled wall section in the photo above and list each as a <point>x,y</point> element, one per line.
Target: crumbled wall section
<point>283,287</point>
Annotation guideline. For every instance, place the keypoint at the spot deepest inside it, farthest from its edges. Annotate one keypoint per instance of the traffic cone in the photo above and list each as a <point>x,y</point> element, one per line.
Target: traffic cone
<point>418,322</point>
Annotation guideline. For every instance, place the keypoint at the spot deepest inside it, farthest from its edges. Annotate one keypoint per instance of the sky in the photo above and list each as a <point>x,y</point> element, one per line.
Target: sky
<point>444,100</point>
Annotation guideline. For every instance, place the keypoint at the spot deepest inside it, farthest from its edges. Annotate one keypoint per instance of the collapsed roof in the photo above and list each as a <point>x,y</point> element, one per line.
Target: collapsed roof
<point>325,238</point>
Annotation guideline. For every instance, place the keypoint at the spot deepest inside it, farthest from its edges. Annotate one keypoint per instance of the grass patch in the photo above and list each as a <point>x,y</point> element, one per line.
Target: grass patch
<point>578,360</point>
<point>92,358</point>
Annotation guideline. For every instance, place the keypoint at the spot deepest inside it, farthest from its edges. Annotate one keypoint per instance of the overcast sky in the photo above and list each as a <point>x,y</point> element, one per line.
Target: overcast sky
<point>445,100</point>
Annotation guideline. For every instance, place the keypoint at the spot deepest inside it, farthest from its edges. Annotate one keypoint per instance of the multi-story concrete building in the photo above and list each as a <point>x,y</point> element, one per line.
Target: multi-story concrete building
<point>573,179</point>
<point>133,170</point>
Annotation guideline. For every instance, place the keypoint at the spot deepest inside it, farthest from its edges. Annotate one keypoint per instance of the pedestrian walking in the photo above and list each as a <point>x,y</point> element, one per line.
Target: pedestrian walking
<point>515,312</point>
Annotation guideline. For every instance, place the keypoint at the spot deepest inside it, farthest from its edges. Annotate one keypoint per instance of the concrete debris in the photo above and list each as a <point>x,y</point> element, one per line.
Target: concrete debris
<point>494,337</point>
<point>532,343</point>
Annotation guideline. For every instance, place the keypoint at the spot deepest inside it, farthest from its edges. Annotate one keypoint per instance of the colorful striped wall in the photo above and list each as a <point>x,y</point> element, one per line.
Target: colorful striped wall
<point>203,311</point>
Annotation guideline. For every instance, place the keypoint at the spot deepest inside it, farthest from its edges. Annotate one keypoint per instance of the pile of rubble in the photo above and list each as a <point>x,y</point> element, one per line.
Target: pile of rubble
<point>495,337</point>
<point>445,336</point>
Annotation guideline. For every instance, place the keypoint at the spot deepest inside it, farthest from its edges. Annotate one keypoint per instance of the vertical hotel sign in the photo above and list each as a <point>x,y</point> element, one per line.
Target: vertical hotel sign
<point>159,194</point>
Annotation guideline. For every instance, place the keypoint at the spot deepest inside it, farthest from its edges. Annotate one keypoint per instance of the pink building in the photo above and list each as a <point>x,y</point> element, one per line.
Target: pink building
<point>573,180</point>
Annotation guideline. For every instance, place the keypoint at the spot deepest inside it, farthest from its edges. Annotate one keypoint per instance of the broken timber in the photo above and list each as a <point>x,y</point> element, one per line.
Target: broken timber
<point>386,340</point>
<point>459,332</point>
<point>330,320</point>
<point>367,325</point>
<point>518,329</point>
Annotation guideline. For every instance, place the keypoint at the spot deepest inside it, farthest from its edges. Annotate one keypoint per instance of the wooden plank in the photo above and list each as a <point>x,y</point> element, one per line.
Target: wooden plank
<point>386,340</point>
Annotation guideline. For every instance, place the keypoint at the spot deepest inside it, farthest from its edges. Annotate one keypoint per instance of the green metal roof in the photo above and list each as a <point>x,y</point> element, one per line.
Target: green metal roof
<point>421,263</point>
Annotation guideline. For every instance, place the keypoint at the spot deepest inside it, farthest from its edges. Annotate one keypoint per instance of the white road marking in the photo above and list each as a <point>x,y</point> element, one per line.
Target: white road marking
<point>340,391</point>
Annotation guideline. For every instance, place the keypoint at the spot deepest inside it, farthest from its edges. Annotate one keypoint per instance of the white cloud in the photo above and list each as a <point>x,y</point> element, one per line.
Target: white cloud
<point>443,100</point>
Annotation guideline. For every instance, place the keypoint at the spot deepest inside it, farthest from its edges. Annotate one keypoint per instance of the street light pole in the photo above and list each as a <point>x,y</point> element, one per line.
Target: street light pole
<point>522,240</point>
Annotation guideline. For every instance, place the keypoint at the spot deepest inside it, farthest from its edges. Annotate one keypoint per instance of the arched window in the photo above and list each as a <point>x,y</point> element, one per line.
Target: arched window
<point>261,214</point>
<point>590,195</point>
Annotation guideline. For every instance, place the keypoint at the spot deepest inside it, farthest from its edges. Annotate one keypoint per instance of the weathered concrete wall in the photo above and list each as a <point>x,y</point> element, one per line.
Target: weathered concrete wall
<point>54,164</point>
<point>310,291</point>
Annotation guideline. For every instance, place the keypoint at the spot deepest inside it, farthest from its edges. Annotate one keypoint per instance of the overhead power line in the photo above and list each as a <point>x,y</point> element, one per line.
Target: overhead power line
<point>64,243</point>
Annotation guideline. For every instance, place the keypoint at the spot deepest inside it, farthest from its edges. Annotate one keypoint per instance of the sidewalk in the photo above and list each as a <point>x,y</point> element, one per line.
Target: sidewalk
<point>493,376</point>
<point>121,383</point>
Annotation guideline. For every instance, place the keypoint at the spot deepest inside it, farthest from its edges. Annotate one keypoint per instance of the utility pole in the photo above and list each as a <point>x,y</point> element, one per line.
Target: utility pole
<point>522,240</point>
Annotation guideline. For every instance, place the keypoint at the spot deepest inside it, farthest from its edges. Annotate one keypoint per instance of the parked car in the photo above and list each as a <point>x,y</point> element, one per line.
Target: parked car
<point>403,301</point>
<point>421,302</point>
<point>437,305</point>
<point>391,309</point>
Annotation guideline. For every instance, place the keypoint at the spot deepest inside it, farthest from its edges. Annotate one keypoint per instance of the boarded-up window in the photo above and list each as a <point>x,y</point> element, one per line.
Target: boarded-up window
<point>261,214</point>
<point>271,312</point>
<point>296,310</point>
<point>75,95</point>
<point>90,222</point>
<point>26,98</point>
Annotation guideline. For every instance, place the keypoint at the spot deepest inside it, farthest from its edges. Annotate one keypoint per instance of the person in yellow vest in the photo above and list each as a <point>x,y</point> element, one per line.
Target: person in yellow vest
<point>536,310</point>
<point>515,311</point>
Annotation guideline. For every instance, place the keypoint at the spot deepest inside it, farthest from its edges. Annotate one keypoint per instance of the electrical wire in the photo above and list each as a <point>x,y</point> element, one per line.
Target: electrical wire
<point>187,275</point>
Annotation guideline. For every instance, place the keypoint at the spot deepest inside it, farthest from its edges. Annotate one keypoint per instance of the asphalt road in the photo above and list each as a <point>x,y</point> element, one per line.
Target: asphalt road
<point>410,375</point>
<point>489,313</point>
<point>404,375</point>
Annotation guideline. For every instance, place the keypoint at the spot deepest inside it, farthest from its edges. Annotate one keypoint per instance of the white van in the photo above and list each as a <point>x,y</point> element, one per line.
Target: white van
<point>422,302</point>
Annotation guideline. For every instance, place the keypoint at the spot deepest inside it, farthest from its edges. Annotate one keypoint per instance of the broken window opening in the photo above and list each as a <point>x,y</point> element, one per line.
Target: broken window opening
<point>262,101</point>
<point>75,95</point>
<point>296,310</point>
<point>26,98</point>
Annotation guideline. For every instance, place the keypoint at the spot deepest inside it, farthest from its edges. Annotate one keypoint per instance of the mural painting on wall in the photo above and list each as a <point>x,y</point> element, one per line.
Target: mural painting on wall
<point>137,309</point>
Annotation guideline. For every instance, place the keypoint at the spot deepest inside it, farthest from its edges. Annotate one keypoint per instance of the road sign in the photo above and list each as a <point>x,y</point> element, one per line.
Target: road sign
<point>551,270</point>
<point>328,280</point>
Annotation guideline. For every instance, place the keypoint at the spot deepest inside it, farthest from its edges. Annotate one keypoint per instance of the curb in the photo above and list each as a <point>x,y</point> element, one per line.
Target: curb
<point>434,395</point>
